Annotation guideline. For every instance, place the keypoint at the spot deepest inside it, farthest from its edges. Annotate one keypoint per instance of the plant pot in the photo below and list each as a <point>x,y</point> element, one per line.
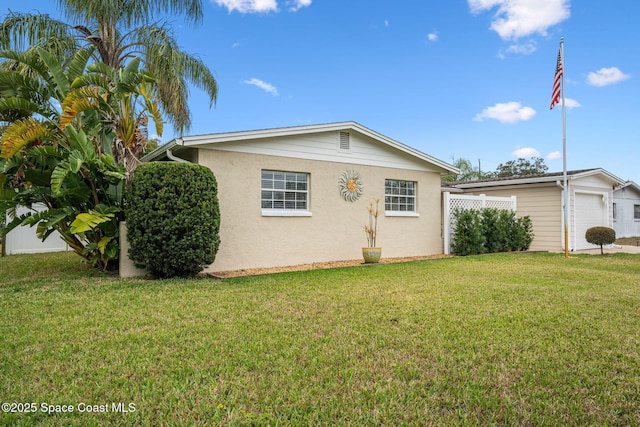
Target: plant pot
<point>371,255</point>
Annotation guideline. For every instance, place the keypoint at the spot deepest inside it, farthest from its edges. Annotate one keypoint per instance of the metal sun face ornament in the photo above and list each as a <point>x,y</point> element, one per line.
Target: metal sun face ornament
<point>350,185</point>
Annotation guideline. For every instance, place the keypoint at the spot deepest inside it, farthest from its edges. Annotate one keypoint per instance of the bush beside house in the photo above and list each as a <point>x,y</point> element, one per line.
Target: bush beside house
<point>173,218</point>
<point>490,230</point>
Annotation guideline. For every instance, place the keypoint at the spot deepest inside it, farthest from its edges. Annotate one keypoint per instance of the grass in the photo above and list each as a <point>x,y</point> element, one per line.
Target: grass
<point>505,339</point>
<point>633,241</point>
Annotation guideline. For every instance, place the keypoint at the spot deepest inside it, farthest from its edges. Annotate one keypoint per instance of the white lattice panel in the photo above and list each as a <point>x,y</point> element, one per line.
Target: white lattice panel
<point>452,202</point>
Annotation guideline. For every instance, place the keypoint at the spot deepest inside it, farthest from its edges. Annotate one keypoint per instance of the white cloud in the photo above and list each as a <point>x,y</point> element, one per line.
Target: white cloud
<point>606,76</point>
<point>299,4</point>
<point>523,153</point>
<point>260,6</point>
<point>433,37</point>
<point>262,85</point>
<point>509,112</point>
<point>554,155</point>
<point>523,48</point>
<point>521,18</point>
<point>386,23</point>
<point>248,6</point>
<point>571,103</point>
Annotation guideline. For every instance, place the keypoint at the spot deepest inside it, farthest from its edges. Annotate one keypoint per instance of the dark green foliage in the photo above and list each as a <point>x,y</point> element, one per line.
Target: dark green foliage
<point>468,237</point>
<point>600,236</point>
<point>521,167</point>
<point>490,230</point>
<point>522,234</point>
<point>173,218</point>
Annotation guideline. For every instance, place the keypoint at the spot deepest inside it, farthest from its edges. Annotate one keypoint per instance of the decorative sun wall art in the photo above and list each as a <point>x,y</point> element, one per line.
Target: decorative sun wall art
<point>350,185</point>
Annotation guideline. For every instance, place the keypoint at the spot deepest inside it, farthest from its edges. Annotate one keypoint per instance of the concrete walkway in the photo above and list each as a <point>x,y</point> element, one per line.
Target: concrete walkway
<point>627,249</point>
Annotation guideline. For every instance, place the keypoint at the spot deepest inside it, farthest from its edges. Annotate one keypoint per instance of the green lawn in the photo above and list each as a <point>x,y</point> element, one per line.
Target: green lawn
<point>506,339</point>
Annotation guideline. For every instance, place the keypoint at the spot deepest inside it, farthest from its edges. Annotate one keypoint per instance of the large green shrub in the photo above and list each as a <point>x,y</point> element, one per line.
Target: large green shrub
<point>173,218</point>
<point>468,237</point>
<point>489,230</point>
<point>600,236</point>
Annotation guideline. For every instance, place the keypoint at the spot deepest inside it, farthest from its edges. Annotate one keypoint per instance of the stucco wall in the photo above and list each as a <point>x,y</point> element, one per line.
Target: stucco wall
<point>333,232</point>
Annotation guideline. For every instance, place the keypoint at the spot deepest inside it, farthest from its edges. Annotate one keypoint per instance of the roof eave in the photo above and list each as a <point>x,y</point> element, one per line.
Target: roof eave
<point>217,138</point>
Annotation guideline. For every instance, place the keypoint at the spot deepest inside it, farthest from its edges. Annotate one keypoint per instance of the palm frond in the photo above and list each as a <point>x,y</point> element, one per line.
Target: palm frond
<point>56,72</point>
<point>21,107</point>
<point>19,31</point>
<point>22,133</point>
<point>132,12</point>
<point>79,100</point>
<point>173,69</point>
<point>77,64</point>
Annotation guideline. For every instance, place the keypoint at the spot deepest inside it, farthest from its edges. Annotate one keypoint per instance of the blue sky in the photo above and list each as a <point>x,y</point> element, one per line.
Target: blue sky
<point>453,78</point>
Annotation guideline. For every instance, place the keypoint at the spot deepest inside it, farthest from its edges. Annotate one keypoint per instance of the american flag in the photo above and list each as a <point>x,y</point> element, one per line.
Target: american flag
<point>555,94</point>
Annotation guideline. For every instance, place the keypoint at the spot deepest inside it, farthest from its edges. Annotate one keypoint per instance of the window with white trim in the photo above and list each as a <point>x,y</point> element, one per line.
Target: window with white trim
<point>399,196</point>
<point>636,211</point>
<point>285,191</point>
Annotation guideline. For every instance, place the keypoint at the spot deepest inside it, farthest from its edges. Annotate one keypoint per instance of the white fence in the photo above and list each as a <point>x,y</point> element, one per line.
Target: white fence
<point>451,202</point>
<point>23,239</point>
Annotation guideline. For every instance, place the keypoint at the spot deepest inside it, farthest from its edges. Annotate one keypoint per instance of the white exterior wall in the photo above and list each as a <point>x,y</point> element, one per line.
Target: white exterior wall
<point>624,223</point>
<point>592,205</point>
<point>334,231</point>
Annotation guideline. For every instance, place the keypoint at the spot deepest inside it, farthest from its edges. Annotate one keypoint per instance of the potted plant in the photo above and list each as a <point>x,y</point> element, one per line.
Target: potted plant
<point>371,253</point>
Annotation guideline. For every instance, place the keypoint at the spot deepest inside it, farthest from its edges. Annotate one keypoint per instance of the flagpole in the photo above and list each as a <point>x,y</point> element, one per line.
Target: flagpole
<point>564,157</point>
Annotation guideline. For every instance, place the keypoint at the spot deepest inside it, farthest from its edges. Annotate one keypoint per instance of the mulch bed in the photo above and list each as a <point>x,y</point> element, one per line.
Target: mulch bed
<point>314,266</point>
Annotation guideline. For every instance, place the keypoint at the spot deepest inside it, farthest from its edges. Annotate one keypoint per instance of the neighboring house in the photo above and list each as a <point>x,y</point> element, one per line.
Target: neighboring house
<point>283,198</point>
<point>626,210</point>
<point>541,197</point>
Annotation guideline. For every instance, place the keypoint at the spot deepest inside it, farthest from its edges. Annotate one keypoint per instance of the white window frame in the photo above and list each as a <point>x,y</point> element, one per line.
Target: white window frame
<point>414,197</point>
<point>635,218</point>
<point>275,185</point>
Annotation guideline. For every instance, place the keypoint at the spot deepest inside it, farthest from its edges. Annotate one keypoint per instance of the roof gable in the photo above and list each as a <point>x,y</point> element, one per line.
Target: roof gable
<point>628,186</point>
<point>321,142</point>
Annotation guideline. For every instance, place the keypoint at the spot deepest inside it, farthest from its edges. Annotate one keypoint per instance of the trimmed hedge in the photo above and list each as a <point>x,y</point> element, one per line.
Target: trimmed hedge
<point>600,236</point>
<point>173,218</point>
<point>490,230</point>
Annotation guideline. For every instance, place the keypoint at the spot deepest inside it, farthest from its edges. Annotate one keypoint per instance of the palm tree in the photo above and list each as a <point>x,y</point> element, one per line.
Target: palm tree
<point>467,171</point>
<point>70,136</point>
<point>121,30</point>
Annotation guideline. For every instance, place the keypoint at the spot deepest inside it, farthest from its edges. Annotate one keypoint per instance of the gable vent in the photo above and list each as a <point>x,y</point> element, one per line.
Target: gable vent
<point>345,141</point>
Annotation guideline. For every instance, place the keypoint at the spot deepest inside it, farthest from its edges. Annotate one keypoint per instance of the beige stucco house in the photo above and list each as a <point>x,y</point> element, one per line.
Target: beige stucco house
<point>283,198</point>
<point>541,198</point>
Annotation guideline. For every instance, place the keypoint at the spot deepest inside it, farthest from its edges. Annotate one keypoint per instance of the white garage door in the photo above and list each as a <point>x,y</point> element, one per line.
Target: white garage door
<point>591,211</point>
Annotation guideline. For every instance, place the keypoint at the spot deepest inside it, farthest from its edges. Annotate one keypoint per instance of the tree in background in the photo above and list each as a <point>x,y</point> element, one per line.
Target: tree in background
<point>120,30</point>
<point>521,167</point>
<point>468,172</point>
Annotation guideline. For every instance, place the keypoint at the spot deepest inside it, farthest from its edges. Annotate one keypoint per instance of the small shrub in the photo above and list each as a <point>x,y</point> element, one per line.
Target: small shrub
<point>523,234</point>
<point>173,218</point>
<point>600,236</point>
<point>467,235</point>
<point>490,230</point>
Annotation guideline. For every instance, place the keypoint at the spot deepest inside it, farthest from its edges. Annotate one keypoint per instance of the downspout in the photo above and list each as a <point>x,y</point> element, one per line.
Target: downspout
<point>173,157</point>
